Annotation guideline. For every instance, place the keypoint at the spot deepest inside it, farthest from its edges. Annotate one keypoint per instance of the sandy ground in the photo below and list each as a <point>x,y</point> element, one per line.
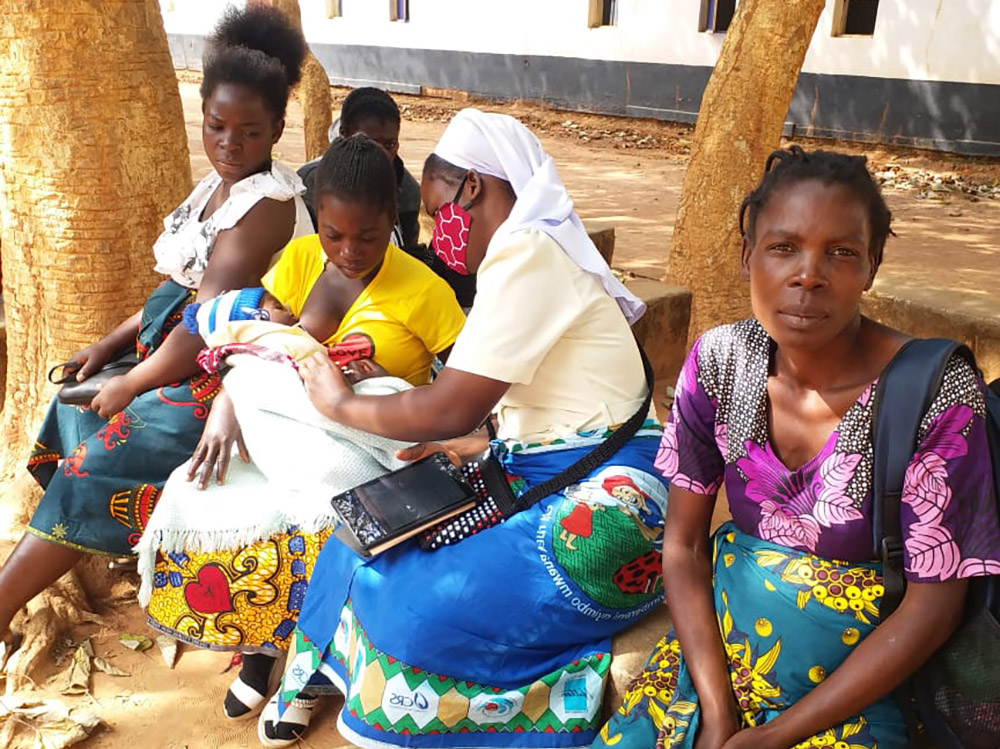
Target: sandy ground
<point>625,173</point>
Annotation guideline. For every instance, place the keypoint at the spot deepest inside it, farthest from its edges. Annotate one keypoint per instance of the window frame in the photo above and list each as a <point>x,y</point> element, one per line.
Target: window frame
<point>399,11</point>
<point>602,13</point>
<point>841,10</point>
<point>708,19</point>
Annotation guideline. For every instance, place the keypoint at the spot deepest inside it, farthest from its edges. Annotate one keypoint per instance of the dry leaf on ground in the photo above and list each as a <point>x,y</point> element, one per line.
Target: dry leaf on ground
<point>76,678</point>
<point>102,665</point>
<point>135,642</point>
<point>168,648</point>
<point>43,724</point>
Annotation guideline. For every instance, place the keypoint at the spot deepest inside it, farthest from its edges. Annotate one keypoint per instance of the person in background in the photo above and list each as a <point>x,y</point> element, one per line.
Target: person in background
<point>373,111</point>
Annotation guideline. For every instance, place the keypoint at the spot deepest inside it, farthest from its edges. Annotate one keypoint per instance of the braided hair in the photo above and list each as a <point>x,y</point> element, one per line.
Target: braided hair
<point>357,169</point>
<point>367,103</point>
<point>785,167</point>
<point>257,47</point>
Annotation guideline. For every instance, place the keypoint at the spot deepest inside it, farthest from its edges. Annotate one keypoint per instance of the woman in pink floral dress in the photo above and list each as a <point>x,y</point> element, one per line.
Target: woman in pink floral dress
<point>775,642</point>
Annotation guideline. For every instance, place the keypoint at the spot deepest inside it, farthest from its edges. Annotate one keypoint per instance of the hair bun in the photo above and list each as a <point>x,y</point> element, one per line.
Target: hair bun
<point>265,29</point>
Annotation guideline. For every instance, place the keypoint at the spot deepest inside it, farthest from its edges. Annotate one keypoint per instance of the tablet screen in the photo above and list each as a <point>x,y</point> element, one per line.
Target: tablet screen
<point>413,494</point>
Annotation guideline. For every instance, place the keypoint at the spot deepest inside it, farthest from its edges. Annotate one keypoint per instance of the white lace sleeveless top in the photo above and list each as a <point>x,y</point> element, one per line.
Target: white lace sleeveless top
<point>183,249</point>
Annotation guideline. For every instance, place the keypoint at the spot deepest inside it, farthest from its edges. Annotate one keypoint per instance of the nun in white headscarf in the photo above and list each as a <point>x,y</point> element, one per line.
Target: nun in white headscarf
<point>499,146</point>
<point>524,607</point>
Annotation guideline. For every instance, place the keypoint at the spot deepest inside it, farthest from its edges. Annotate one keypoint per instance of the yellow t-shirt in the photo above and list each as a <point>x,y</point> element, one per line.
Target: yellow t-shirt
<point>405,315</point>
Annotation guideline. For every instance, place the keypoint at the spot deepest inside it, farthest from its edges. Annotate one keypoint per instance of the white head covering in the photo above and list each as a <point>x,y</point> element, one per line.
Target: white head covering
<point>500,146</point>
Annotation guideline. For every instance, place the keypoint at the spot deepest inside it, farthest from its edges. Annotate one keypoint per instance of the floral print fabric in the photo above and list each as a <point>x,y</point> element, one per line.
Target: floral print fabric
<point>717,432</point>
<point>764,593</point>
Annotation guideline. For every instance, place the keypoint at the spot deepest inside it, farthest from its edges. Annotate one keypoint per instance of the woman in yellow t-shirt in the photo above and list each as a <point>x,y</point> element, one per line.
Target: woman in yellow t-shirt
<point>365,299</point>
<point>402,317</point>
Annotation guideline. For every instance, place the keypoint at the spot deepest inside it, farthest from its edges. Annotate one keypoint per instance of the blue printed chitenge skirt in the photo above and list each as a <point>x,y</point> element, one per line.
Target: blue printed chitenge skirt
<point>102,477</point>
<point>503,639</point>
<point>766,596</point>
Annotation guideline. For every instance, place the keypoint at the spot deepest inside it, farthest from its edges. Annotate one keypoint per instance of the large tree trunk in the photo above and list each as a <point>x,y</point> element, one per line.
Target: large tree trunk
<point>313,91</point>
<point>94,154</point>
<point>740,121</point>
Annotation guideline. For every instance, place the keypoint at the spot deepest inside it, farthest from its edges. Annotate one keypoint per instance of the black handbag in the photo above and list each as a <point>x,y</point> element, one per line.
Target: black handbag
<point>953,700</point>
<point>81,393</point>
<point>498,501</point>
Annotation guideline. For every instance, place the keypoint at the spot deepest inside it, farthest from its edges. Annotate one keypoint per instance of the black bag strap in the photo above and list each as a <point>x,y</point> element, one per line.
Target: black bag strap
<point>904,393</point>
<point>599,455</point>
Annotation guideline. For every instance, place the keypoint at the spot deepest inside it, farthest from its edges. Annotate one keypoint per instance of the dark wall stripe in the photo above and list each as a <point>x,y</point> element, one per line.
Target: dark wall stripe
<point>960,117</point>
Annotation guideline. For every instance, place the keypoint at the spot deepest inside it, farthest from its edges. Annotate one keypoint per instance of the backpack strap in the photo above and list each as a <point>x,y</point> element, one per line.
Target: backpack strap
<point>904,393</point>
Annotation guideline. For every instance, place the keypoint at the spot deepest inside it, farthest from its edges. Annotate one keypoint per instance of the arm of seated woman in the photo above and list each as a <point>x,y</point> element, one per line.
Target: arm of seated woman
<point>926,618</point>
<point>687,582</point>
<point>459,451</point>
<point>91,358</point>
<point>240,256</point>
<point>452,406</point>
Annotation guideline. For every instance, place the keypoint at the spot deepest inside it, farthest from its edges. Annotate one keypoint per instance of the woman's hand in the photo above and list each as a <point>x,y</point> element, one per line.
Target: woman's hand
<point>715,733</point>
<point>215,447</point>
<point>751,738</point>
<point>114,396</point>
<point>423,449</point>
<point>91,358</point>
<point>325,384</point>
<point>459,450</point>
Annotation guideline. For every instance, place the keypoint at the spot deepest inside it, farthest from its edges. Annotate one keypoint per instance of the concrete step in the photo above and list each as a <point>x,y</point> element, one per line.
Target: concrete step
<point>927,321</point>
<point>663,330</point>
<point>603,238</point>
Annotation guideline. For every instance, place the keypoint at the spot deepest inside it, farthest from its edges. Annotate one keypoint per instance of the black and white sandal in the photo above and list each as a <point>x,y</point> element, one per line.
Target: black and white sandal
<point>242,700</point>
<point>286,731</point>
<point>248,693</point>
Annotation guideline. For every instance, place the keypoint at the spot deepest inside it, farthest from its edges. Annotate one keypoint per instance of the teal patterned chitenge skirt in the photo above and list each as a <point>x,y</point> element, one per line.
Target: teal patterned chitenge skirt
<point>102,477</point>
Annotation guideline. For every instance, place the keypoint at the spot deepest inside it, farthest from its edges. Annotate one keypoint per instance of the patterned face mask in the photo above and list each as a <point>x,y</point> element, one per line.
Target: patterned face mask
<point>450,238</point>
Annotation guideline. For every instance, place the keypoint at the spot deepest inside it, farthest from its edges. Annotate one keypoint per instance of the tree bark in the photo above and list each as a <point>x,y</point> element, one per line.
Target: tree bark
<point>740,121</point>
<point>94,155</point>
<point>313,91</point>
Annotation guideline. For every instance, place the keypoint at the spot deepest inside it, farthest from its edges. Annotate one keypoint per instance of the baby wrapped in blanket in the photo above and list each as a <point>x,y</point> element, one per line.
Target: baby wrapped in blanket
<point>299,458</point>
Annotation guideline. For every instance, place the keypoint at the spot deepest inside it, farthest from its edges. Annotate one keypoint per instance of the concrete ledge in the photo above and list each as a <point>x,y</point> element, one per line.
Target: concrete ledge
<point>663,330</point>
<point>925,321</point>
<point>603,238</point>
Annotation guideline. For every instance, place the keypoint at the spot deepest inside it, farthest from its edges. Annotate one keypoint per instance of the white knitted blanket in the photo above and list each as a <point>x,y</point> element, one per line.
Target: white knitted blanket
<point>299,460</point>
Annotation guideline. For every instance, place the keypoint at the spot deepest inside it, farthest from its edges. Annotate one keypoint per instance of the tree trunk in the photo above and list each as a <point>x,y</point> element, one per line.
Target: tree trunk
<point>313,91</point>
<point>94,155</point>
<point>740,121</point>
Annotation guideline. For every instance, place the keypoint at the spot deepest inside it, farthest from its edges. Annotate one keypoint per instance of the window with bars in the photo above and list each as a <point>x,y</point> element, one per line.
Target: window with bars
<point>716,15</point>
<point>603,13</point>
<point>399,10</point>
<point>855,17</point>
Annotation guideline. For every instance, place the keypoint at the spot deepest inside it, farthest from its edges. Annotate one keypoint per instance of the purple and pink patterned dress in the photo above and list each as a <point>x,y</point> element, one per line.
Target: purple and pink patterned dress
<point>796,558</point>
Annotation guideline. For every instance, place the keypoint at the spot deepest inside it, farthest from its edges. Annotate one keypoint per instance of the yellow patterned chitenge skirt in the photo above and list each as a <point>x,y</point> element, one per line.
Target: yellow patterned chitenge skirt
<point>245,599</point>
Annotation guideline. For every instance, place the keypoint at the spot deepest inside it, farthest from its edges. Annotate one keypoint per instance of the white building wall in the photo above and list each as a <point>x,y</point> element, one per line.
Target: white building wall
<point>933,40</point>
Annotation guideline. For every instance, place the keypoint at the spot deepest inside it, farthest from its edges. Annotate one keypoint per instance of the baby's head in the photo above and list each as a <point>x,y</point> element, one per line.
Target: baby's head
<point>362,369</point>
<point>204,319</point>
